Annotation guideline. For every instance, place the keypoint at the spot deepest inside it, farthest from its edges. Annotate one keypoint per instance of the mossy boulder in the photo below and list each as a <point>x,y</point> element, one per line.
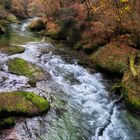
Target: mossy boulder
<point>131,90</point>
<point>37,25</point>
<point>21,67</point>
<point>4,22</point>
<point>113,57</point>
<point>12,49</point>
<point>22,103</point>
<point>12,18</point>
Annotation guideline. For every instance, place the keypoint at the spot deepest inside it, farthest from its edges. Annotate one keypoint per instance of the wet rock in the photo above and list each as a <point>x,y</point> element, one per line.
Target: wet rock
<point>12,49</point>
<point>21,67</point>
<point>37,25</point>
<point>22,103</point>
<point>131,90</point>
<point>113,57</point>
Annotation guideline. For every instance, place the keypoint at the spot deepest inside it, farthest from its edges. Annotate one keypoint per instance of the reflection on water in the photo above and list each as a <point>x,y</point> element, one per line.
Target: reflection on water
<point>15,35</point>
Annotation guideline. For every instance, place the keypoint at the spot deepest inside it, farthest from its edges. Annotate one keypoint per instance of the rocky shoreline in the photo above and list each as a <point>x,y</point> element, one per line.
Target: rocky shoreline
<point>21,103</point>
<point>111,58</point>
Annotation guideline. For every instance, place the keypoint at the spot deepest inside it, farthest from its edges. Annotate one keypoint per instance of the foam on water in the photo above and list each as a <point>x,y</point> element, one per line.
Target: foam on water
<point>91,94</point>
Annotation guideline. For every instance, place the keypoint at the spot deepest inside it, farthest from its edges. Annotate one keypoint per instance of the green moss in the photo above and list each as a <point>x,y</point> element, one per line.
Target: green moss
<point>22,103</point>
<point>131,91</point>
<point>12,18</point>
<point>52,34</point>
<point>21,67</point>
<point>4,22</point>
<point>40,102</point>
<point>12,49</point>
<point>7,122</point>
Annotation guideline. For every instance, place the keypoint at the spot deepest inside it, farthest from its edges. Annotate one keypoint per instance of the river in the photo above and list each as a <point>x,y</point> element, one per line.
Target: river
<point>81,107</point>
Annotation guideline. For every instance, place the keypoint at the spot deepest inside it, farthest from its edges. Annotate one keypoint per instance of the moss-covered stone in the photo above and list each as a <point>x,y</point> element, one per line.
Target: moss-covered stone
<point>12,49</point>
<point>52,34</point>
<point>131,90</point>
<point>21,67</point>
<point>113,57</point>
<point>12,18</point>
<point>7,122</point>
<point>4,22</point>
<point>37,25</point>
<point>22,103</point>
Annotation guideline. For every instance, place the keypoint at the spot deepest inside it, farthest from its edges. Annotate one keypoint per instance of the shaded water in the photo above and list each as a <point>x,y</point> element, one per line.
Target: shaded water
<point>80,105</point>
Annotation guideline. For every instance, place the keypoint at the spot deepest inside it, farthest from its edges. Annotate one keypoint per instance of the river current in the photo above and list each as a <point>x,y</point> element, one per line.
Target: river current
<point>81,107</point>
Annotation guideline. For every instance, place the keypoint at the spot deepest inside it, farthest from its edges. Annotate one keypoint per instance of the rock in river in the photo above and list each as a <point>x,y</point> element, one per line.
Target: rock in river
<point>22,103</point>
<point>12,49</point>
<point>113,57</point>
<point>21,67</point>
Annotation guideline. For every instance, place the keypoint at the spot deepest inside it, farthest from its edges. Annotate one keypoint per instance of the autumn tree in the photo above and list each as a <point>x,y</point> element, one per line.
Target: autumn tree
<point>7,3</point>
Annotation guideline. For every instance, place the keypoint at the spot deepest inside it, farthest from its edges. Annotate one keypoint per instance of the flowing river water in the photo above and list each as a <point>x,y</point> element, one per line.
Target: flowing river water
<point>81,108</point>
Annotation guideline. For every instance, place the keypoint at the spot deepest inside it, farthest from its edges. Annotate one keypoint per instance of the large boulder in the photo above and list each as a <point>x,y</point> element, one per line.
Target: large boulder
<point>22,103</point>
<point>21,67</point>
<point>37,25</point>
<point>113,57</point>
<point>12,49</point>
<point>131,90</point>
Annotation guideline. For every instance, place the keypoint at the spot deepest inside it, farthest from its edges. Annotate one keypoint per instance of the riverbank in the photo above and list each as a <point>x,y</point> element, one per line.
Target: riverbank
<point>112,58</point>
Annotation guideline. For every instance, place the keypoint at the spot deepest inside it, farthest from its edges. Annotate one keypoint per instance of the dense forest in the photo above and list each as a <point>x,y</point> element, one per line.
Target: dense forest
<point>51,50</point>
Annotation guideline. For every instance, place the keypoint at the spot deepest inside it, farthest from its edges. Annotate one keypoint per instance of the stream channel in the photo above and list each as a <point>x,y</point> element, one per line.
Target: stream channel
<point>81,107</point>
